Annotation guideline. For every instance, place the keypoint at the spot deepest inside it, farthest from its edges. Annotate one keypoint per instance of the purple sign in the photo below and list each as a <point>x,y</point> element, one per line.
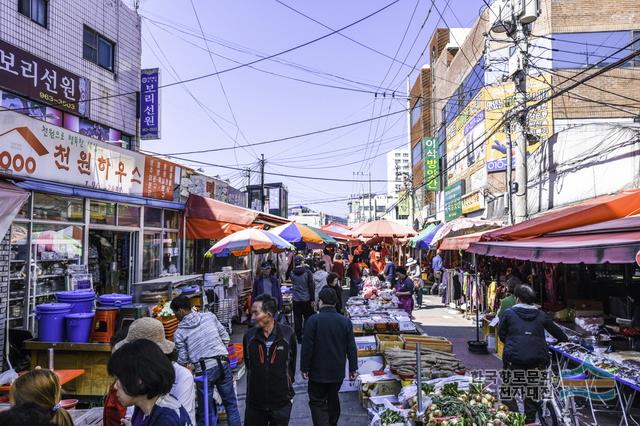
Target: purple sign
<point>149,104</point>
<point>474,122</point>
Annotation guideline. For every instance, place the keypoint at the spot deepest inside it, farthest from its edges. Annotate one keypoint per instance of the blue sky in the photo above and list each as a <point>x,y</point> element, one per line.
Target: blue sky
<point>267,107</point>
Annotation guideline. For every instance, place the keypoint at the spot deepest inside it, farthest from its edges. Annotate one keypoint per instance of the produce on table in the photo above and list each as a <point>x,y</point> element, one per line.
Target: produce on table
<point>435,364</point>
<point>389,417</point>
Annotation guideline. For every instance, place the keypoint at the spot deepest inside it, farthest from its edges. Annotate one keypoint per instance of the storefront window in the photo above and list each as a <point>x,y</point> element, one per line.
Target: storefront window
<point>56,207</point>
<point>152,244</point>
<point>171,253</point>
<point>152,217</point>
<point>103,213</point>
<point>128,215</point>
<point>25,210</point>
<point>53,243</point>
<point>171,219</point>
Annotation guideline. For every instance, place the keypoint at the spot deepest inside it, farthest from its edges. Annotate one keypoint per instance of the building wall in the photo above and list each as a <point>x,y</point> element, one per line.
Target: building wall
<point>61,44</point>
<point>4,292</point>
<point>398,167</point>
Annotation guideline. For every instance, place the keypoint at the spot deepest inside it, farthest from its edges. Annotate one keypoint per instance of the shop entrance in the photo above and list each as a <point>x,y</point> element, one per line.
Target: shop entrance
<point>112,260</point>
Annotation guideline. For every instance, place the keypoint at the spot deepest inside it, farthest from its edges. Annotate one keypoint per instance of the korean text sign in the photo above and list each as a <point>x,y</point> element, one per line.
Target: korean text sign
<point>453,200</point>
<point>431,164</point>
<point>28,75</point>
<point>149,104</point>
<point>39,150</point>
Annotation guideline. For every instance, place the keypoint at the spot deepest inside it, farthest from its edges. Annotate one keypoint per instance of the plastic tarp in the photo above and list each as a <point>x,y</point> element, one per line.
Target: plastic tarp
<point>460,242</point>
<point>11,200</point>
<point>462,226</point>
<point>423,240</point>
<point>590,212</point>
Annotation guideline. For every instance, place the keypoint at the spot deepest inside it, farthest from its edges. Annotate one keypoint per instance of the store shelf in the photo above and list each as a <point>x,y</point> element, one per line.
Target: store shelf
<point>57,260</point>
<point>46,294</point>
<point>13,299</point>
<point>50,276</point>
<point>17,261</point>
<point>17,278</point>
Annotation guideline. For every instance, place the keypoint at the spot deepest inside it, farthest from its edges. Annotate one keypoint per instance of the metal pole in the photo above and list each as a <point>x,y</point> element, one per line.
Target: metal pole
<point>519,127</point>
<point>370,215</point>
<point>419,377</point>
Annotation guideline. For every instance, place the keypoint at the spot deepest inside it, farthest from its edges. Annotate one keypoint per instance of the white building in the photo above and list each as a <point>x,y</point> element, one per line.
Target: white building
<point>96,41</point>
<point>398,171</point>
<point>366,208</point>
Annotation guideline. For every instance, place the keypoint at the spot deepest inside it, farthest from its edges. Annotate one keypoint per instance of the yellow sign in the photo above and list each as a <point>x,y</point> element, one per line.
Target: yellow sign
<point>404,206</point>
<point>499,100</point>
<point>464,156</point>
<point>471,202</point>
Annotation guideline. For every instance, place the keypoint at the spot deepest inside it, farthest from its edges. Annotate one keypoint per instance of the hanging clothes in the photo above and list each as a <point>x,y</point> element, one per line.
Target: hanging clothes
<point>457,286</point>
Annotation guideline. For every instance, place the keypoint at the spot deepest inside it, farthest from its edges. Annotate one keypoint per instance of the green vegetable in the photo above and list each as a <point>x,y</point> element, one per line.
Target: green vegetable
<point>476,388</point>
<point>389,417</point>
<point>450,389</point>
<point>428,389</point>
<point>515,419</point>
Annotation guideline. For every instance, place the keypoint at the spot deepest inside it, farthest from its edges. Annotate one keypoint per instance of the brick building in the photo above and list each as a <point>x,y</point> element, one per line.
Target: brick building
<point>574,139</point>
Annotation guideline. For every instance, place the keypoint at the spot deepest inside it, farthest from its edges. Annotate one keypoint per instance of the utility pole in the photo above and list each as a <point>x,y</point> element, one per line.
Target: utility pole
<point>507,131</point>
<point>370,215</point>
<point>519,125</point>
<point>262,183</point>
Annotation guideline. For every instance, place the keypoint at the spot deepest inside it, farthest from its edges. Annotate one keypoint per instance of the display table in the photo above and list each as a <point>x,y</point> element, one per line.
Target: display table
<point>65,376</point>
<point>90,358</point>
<point>625,389</point>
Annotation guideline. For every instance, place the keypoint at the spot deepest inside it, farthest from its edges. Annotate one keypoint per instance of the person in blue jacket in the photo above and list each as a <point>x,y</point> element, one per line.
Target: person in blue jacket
<point>267,283</point>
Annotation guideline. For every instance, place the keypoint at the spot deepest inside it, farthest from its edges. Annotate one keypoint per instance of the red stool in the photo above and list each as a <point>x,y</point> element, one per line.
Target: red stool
<point>104,324</point>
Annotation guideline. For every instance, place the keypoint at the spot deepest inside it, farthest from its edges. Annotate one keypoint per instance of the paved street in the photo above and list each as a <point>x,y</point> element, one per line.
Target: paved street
<point>435,320</point>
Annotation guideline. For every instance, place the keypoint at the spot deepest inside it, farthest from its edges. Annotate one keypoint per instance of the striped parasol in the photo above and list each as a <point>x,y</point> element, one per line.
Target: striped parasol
<point>250,240</point>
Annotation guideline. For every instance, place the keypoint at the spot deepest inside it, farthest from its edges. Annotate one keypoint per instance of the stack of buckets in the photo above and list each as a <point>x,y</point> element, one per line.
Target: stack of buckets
<point>71,317</point>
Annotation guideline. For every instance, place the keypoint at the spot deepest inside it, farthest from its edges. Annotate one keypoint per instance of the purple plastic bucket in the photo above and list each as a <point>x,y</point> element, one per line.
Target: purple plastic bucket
<point>80,300</point>
<point>50,318</point>
<point>115,300</point>
<point>79,327</point>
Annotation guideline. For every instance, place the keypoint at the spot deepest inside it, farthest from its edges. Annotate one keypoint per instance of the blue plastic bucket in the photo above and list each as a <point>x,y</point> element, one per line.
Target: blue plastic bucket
<point>50,318</point>
<point>80,300</point>
<point>114,300</point>
<point>79,327</point>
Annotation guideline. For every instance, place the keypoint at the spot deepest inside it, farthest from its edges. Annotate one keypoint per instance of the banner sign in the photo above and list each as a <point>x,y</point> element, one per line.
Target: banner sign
<point>149,104</point>
<point>35,149</point>
<point>404,203</point>
<point>452,200</point>
<point>465,140</point>
<point>431,164</point>
<point>472,202</point>
<point>28,75</point>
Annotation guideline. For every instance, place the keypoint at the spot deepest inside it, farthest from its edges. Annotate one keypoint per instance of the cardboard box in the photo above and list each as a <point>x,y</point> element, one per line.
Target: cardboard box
<point>366,345</point>
<point>429,342</point>
<point>366,365</point>
<point>385,341</point>
<point>375,386</point>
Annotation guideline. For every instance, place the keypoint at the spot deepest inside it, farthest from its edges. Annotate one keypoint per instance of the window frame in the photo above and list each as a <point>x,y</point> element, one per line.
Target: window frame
<point>96,48</point>
<point>29,13</point>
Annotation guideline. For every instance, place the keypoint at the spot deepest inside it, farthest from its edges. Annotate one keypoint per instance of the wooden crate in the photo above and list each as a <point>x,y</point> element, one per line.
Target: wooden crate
<point>385,341</point>
<point>91,357</point>
<point>431,342</point>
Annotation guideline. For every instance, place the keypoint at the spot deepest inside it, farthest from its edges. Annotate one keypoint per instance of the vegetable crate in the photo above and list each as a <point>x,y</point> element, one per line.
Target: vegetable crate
<point>385,341</point>
<point>431,342</point>
<point>379,388</point>
<point>366,345</point>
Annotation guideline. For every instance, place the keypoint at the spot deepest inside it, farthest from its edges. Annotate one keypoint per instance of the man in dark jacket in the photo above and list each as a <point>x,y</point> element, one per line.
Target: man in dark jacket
<point>328,342</point>
<point>270,351</point>
<point>303,294</point>
<point>267,283</point>
<point>522,330</point>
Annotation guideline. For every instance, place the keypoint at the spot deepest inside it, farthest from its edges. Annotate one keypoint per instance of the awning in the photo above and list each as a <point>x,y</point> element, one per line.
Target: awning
<point>589,212</point>
<point>461,242</point>
<point>462,226</point>
<point>11,200</point>
<point>209,219</point>
<point>423,240</point>
<point>612,247</point>
<point>336,228</point>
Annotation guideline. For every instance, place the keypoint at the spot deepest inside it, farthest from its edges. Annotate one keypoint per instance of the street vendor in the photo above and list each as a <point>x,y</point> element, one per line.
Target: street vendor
<point>377,264</point>
<point>404,290</point>
<point>267,283</point>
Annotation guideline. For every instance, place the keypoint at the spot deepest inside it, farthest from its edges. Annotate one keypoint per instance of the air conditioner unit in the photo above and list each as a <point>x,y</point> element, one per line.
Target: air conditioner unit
<point>527,11</point>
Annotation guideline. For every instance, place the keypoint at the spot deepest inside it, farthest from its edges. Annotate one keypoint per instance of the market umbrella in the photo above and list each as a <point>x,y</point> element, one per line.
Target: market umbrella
<point>462,226</point>
<point>424,238</point>
<point>250,240</point>
<point>299,233</point>
<point>383,229</point>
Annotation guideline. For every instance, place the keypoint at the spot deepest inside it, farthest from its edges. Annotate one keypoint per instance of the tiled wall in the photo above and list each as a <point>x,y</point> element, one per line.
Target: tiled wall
<point>61,44</point>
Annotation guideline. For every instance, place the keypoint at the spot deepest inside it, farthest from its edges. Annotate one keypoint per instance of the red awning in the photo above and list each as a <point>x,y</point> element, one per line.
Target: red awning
<point>209,219</point>
<point>461,242</point>
<point>612,247</point>
<point>589,212</point>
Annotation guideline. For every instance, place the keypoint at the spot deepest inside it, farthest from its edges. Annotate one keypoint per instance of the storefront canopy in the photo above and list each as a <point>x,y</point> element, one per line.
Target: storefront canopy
<point>383,229</point>
<point>586,213</point>
<point>11,200</point>
<point>461,242</point>
<point>613,247</point>
<point>423,239</point>
<point>462,226</point>
<point>209,219</point>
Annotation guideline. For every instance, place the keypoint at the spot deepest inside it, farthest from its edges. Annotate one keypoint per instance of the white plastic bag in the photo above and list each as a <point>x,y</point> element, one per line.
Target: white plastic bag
<point>7,377</point>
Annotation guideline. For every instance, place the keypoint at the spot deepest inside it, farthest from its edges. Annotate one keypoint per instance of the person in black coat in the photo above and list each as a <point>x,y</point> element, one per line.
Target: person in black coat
<point>522,329</point>
<point>270,351</point>
<point>333,281</point>
<point>327,343</point>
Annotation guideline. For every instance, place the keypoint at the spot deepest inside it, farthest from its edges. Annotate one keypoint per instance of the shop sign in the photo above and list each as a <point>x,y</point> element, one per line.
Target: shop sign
<point>472,202</point>
<point>465,140</point>
<point>431,164</point>
<point>499,100</point>
<point>35,149</point>
<point>28,75</point>
<point>149,104</point>
<point>404,205</point>
<point>452,200</point>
